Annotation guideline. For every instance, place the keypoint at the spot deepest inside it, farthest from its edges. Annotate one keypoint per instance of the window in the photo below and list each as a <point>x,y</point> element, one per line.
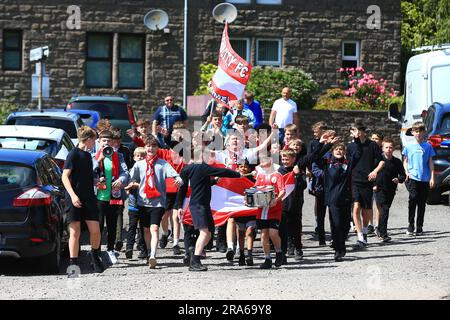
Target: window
<point>131,61</point>
<point>99,60</point>
<point>12,50</point>
<point>268,1</point>
<point>268,52</point>
<point>242,47</point>
<point>350,54</point>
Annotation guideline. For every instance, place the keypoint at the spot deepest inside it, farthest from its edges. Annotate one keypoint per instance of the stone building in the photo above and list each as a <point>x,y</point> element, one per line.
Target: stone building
<point>103,48</point>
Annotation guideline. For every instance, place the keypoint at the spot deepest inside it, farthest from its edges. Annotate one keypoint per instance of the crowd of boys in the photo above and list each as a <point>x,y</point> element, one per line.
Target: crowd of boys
<point>153,176</point>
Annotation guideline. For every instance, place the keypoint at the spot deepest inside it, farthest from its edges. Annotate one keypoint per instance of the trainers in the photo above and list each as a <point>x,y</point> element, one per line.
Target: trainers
<point>291,251</point>
<point>176,250</point>
<point>278,259</point>
<point>242,260</point>
<point>143,254</point>
<point>249,261</point>
<point>299,254</point>
<point>386,239</point>
<point>112,256</point>
<point>359,245</point>
<point>197,266</point>
<point>370,229</point>
<point>267,264</point>
<point>129,254</point>
<point>230,255</point>
<point>164,239</point>
<point>338,256</point>
<point>419,231</point>
<point>118,246</point>
<point>187,259</point>
<point>97,264</point>
<point>221,247</point>
<point>284,260</point>
<point>152,263</point>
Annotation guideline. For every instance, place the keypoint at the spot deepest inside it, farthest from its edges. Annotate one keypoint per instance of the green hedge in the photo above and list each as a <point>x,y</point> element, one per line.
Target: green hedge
<point>267,83</point>
<point>6,107</point>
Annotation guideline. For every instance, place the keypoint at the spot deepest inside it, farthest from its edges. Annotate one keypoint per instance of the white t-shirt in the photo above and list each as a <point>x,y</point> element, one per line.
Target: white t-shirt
<point>285,110</point>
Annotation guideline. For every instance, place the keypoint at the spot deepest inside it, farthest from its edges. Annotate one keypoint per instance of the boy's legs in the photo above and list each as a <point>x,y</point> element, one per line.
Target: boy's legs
<point>119,229</point>
<point>133,217</point>
<point>231,229</point>
<point>276,240</point>
<point>74,239</point>
<point>165,228</point>
<point>321,211</point>
<point>423,194</point>
<point>95,239</point>
<point>414,195</point>
<point>283,231</point>
<point>112,213</point>
<point>176,228</point>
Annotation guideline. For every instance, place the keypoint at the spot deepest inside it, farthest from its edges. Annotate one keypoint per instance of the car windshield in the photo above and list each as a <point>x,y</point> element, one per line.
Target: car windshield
<point>47,146</point>
<point>13,176</point>
<point>66,125</point>
<point>110,110</point>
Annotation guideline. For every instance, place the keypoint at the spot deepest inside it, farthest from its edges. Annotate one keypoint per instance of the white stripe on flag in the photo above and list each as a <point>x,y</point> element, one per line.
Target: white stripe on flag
<point>223,81</point>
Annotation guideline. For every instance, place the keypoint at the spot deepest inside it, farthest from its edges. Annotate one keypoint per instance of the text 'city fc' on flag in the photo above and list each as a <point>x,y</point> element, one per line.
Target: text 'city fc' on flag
<point>229,81</point>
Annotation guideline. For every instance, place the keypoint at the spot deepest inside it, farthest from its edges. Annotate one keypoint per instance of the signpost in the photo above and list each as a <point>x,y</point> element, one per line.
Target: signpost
<point>39,55</point>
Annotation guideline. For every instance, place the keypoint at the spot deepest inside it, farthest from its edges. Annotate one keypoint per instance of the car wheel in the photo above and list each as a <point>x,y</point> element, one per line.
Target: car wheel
<point>434,196</point>
<point>50,263</point>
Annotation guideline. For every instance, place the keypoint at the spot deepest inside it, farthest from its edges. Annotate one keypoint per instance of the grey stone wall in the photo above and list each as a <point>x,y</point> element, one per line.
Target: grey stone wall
<point>311,33</point>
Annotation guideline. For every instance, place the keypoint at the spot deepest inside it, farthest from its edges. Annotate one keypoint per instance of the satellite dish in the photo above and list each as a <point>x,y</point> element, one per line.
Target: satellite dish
<point>225,12</point>
<point>156,19</point>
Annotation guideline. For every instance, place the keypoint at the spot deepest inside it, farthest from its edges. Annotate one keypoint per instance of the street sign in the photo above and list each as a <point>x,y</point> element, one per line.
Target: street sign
<point>38,54</point>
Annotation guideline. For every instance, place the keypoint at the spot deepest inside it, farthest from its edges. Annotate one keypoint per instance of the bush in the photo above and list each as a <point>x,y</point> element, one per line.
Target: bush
<point>335,99</point>
<point>267,83</point>
<point>6,107</point>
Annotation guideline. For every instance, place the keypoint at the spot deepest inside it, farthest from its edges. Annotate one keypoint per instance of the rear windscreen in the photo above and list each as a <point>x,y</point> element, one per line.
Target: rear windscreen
<point>47,146</point>
<point>16,176</point>
<point>66,125</point>
<point>445,124</point>
<point>110,110</point>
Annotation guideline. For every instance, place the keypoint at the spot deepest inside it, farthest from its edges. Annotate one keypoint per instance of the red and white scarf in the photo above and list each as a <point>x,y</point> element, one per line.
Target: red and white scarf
<point>150,185</point>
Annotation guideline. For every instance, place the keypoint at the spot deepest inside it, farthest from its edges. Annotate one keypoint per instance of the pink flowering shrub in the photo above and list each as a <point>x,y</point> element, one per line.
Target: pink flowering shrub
<point>365,88</point>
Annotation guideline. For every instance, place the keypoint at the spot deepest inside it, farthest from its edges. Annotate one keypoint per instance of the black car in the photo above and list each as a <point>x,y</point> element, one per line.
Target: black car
<point>31,216</point>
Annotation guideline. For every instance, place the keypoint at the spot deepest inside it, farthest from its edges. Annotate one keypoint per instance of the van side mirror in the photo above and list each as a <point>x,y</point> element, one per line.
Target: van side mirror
<point>394,114</point>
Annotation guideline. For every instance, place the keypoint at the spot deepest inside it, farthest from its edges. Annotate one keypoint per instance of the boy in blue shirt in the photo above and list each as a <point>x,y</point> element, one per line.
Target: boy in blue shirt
<point>419,169</point>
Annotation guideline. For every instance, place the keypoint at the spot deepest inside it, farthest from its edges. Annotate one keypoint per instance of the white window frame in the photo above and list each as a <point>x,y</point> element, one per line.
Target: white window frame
<point>269,63</point>
<point>247,53</point>
<point>352,58</point>
<point>271,2</point>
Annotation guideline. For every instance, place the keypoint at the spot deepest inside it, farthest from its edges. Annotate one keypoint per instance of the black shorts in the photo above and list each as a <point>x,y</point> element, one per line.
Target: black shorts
<point>88,211</point>
<point>170,200</point>
<point>202,217</point>
<point>151,215</point>
<point>268,224</point>
<point>363,194</point>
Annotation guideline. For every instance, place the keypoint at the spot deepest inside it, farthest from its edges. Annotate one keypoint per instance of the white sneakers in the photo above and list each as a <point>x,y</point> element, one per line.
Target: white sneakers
<point>112,256</point>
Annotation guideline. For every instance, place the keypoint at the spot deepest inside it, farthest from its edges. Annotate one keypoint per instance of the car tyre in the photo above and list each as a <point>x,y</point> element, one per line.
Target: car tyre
<point>50,263</point>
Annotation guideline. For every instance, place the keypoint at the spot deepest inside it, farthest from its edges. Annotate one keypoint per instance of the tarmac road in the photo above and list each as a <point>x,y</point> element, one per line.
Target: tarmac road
<point>407,268</point>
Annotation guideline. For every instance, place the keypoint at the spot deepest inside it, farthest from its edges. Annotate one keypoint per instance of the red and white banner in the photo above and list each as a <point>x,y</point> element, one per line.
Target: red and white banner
<point>229,81</point>
<point>227,199</point>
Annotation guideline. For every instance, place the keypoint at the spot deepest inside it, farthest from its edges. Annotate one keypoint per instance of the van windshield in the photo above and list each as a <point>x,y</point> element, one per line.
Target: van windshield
<point>440,78</point>
<point>110,110</point>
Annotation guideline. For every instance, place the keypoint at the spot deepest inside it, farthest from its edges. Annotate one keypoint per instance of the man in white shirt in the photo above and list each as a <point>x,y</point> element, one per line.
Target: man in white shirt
<point>284,112</point>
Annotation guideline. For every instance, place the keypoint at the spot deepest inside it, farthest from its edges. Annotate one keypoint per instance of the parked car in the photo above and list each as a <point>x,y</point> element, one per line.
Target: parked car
<point>31,217</point>
<point>437,121</point>
<point>67,121</point>
<point>89,117</point>
<point>55,142</point>
<point>117,109</point>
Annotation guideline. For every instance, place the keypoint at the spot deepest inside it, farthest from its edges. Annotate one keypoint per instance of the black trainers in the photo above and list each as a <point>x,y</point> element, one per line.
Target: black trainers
<point>298,254</point>
<point>242,260</point>
<point>278,259</point>
<point>129,254</point>
<point>410,230</point>
<point>249,261</point>
<point>419,231</point>
<point>386,239</point>
<point>284,260</point>
<point>359,245</point>
<point>221,247</point>
<point>143,255</point>
<point>291,251</point>
<point>118,246</point>
<point>96,264</point>
<point>176,250</point>
<point>338,256</point>
<point>370,229</point>
<point>164,239</point>
<point>230,254</point>
<point>267,264</point>
<point>197,266</point>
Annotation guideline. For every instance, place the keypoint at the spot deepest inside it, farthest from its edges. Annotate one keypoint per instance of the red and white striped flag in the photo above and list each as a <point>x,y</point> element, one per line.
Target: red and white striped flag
<point>227,199</point>
<point>229,81</point>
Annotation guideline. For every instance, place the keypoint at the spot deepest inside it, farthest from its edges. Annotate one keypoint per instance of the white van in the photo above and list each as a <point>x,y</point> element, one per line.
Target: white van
<point>427,81</point>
